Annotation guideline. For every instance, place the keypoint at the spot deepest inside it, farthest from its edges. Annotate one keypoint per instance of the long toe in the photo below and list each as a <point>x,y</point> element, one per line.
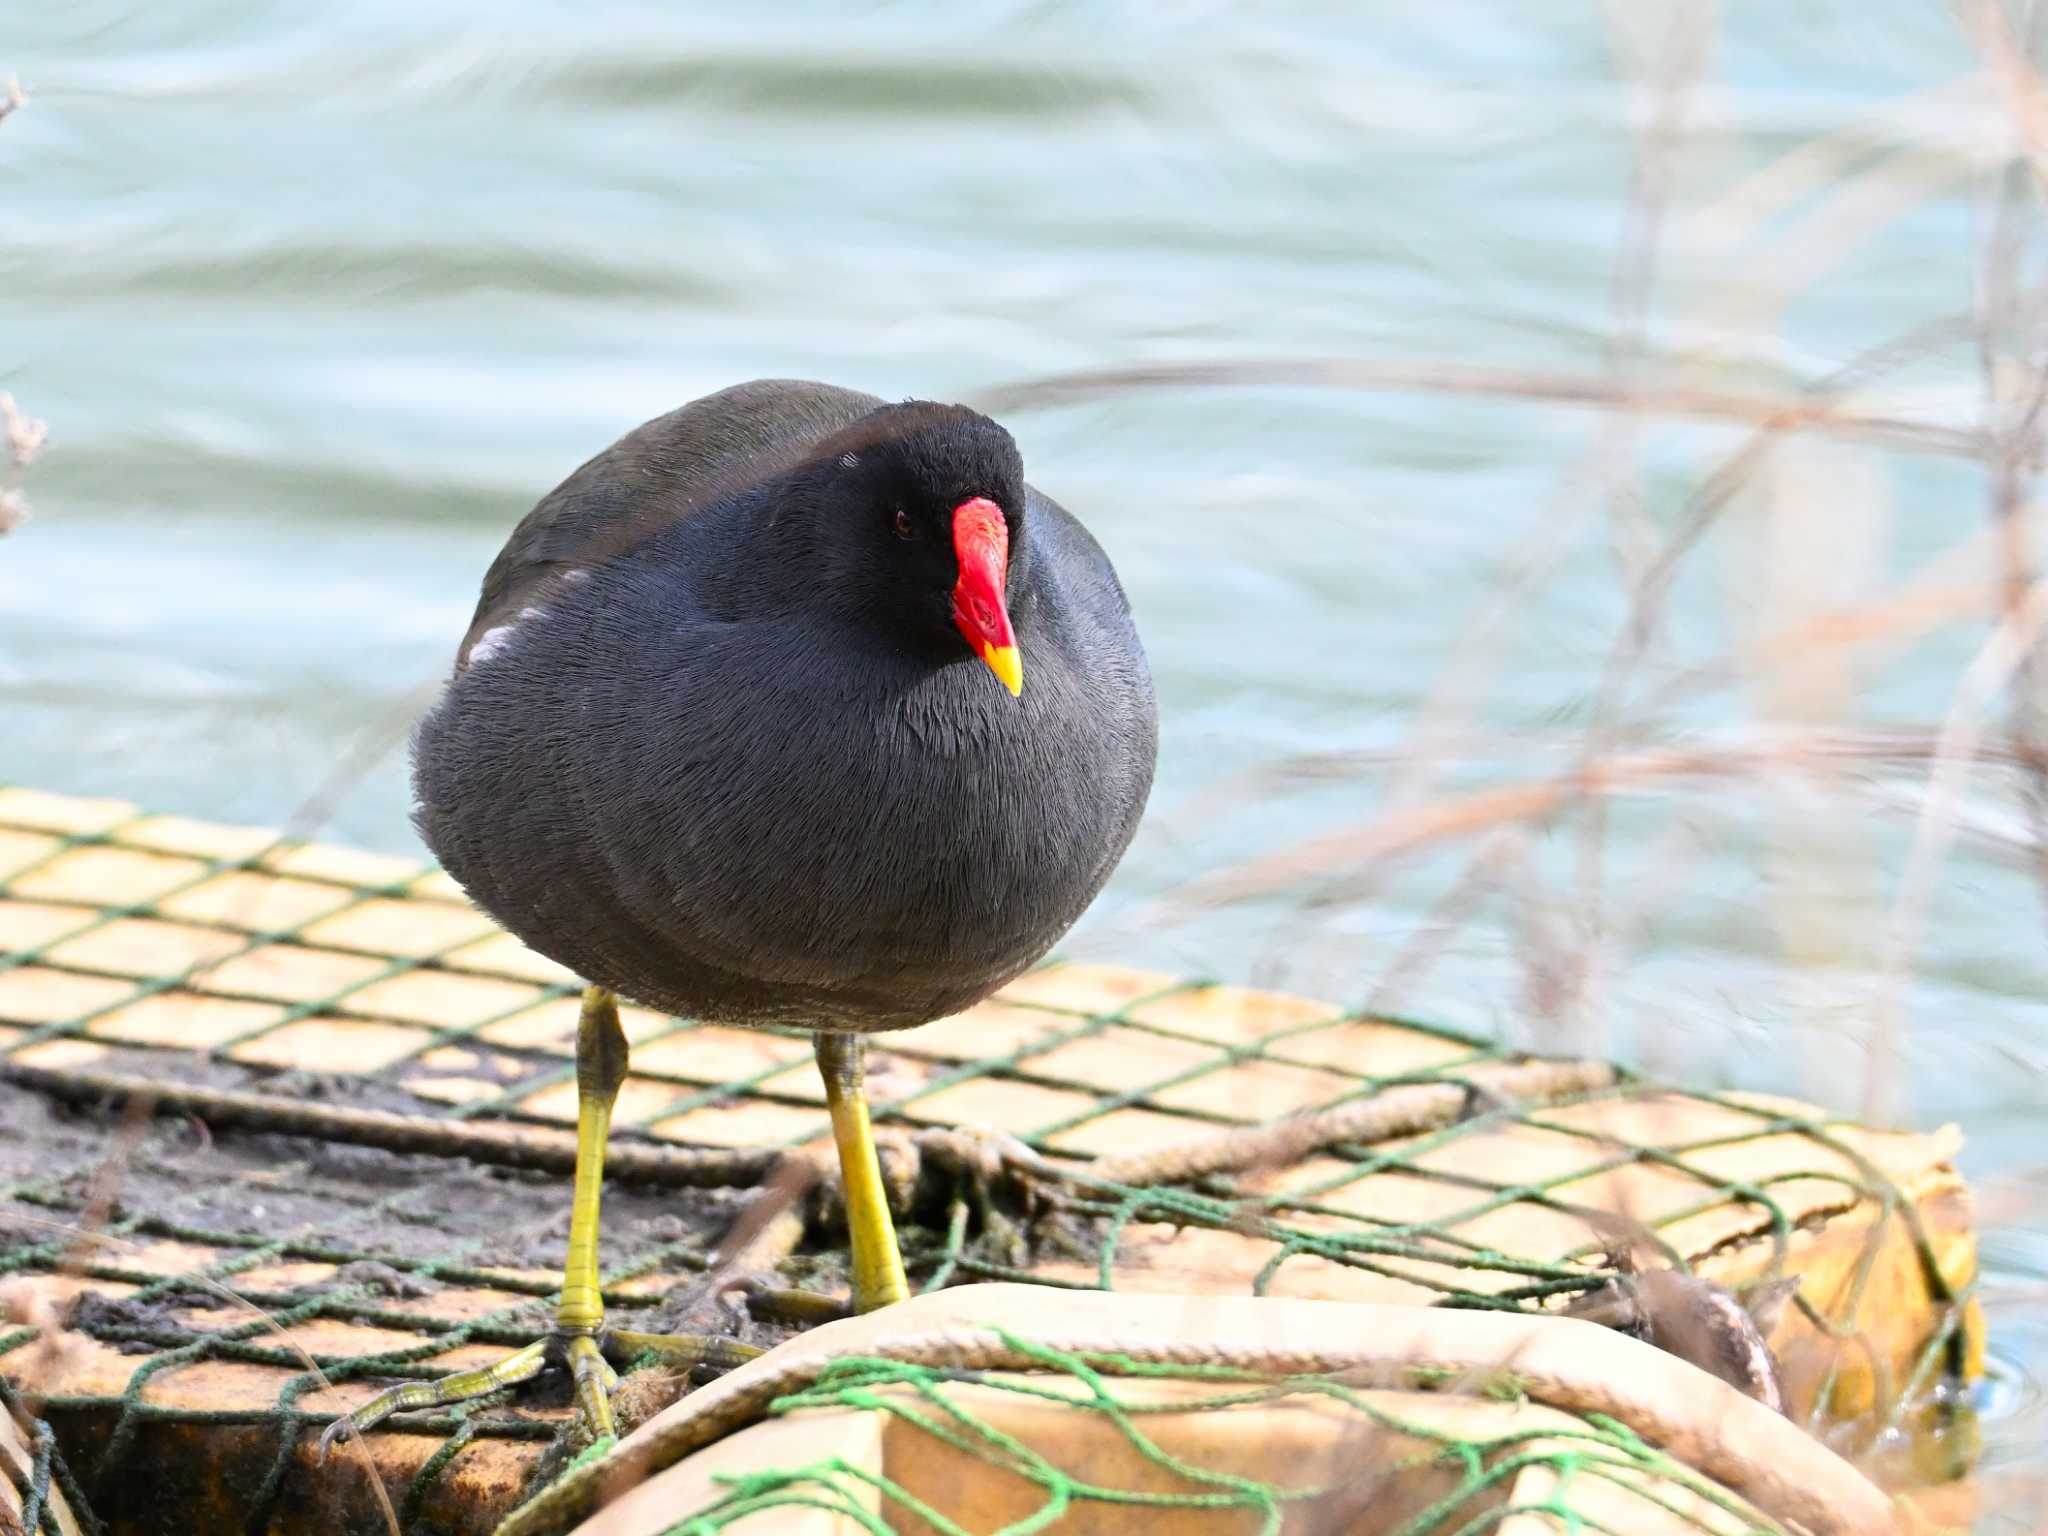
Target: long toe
<point>462,1387</point>
<point>682,1349</point>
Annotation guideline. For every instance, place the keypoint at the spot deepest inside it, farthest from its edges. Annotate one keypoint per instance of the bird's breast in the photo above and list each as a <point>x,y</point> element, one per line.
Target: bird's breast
<point>763,820</point>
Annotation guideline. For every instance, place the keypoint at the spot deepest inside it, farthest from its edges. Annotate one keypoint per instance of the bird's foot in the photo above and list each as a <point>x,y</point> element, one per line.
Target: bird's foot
<point>588,1356</point>
<point>992,1180</point>
<point>985,1153</point>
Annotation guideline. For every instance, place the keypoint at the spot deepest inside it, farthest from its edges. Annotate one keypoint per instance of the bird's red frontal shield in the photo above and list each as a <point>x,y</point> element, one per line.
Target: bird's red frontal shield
<point>981,540</point>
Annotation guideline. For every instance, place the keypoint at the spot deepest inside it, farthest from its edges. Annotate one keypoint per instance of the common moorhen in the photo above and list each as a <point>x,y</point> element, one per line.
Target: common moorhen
<point>791,707</point>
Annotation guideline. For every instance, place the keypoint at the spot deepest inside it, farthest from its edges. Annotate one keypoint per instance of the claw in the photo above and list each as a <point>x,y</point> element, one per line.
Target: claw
<point>328,1436</point>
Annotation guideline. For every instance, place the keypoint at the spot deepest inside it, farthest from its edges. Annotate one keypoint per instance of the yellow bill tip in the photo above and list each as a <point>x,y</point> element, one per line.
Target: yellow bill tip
<point>1007,664</point>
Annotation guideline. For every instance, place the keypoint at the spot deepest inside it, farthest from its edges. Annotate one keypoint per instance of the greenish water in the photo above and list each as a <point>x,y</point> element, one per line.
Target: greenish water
<point>318,300</point>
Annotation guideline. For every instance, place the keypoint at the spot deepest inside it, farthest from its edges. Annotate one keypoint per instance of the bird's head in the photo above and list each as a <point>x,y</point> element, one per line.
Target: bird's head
<point>923,508</point>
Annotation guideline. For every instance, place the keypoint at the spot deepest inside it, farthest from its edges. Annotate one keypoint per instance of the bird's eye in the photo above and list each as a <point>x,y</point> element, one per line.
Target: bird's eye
<point>905,528</point>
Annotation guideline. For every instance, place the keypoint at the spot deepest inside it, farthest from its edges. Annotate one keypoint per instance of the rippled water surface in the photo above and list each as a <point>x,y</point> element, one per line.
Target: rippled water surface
<point>318,300</point>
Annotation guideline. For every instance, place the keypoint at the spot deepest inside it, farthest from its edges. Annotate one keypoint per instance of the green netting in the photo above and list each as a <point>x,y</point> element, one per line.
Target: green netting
<point>1482,1470</point>
<point>47,1472</point>
<point>87,948</point>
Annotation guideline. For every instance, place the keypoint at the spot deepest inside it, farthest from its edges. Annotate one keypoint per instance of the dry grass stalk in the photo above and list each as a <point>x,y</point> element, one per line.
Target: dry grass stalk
<point>1986,678</point>
<point>1557,386</point>
<point>1458,816</point>
<point>1672,50</point>
<point>2015,384</point>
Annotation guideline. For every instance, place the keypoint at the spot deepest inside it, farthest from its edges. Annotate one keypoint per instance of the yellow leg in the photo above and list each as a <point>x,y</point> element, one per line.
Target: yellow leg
<point>600,1068</point>
<point>579,1316</point>
<point>877,1265</point>
<point>601,1057</point>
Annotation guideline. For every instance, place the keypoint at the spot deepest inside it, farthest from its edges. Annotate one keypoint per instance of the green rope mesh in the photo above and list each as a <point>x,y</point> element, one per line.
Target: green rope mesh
<point>47,1470</point>
<point>929,1400</point>
<point>970,1238</point>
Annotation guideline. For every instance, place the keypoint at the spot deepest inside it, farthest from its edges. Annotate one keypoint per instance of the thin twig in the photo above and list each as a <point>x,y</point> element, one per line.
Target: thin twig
<point>1779,413</point>
<point>1458,816</point>
<point>2012,415</point>
<point>1506,850</point>
<point>1985,678</point>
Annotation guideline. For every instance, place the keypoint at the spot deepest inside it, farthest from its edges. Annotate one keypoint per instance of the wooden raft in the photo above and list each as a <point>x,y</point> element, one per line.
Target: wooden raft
<point>154,946</point>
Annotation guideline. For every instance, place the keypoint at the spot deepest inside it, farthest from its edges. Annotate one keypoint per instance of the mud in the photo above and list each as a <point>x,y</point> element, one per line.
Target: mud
<point>138,1326</point>
<point>379,1276</point>
<point>178,1177</point>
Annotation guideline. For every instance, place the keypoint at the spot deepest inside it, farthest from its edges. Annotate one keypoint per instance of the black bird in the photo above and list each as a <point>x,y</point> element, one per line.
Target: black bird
<point>791,707</point>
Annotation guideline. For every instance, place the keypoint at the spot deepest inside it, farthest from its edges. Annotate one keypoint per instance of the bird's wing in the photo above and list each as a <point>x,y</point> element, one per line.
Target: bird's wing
<point>654,476</point>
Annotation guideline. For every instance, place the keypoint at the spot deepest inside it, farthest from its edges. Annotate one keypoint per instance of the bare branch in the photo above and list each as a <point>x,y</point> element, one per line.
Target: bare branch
<point>1650,397</point>
<point>1986,677</point>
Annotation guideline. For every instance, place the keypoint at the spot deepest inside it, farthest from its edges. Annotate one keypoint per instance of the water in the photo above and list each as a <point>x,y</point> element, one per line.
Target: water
<point>318,303</point>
